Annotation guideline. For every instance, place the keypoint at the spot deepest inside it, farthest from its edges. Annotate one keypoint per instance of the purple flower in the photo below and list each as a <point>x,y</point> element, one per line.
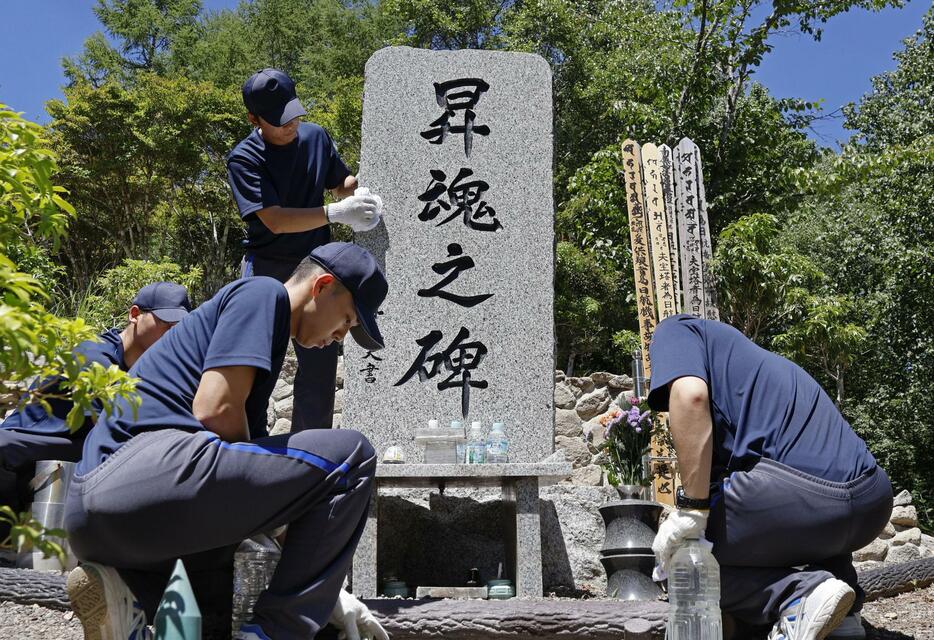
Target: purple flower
<point>633,416</point>
<point>644,415</point>
<point>633,400</point>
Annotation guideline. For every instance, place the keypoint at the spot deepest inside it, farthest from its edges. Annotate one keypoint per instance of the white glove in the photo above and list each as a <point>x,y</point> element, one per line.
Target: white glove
<point>354,620</point>
<point>680,525</point>
<point>362,211</point>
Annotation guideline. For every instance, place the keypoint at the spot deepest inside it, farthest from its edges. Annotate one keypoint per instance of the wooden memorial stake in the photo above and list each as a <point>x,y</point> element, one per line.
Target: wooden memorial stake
<point>639,238</point>
<point>668,194</point>
<point>178,616</point>
<point>642,264</point>
<point>712,312</point>
<point>689,234</point>
<point>658,232</point>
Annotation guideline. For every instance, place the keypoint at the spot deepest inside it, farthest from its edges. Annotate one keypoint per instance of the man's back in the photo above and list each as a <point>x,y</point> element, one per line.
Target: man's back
<point>246,323</point>
<point>763,405</point>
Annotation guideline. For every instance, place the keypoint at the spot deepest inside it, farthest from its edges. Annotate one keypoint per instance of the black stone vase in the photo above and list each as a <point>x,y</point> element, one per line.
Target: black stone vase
<point>626,554</point>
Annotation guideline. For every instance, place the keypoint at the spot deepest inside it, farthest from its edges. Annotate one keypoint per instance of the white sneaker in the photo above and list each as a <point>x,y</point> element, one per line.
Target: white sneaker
<point>815,615</point>
<point>850,629</point>
<point>250,632</point>
<point>104,604</point>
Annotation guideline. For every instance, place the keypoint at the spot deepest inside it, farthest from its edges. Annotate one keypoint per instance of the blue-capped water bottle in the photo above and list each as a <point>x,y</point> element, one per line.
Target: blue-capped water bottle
<point>497,444</point>
<point>694,594</point>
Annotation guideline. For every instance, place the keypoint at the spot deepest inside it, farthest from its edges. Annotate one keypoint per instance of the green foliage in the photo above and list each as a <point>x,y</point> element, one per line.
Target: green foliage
<point>111,294</point>
<point>760,281</point>
<point>145,165</point>
<point>27,533</point>
<point>37,344</point>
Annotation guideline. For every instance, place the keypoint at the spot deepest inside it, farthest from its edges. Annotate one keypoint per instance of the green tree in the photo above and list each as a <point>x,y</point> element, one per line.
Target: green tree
<point>146,166</point>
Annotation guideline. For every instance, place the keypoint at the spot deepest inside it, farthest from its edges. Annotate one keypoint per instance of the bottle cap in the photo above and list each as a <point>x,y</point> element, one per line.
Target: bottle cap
<point>498,426</point>
<point>432,424</point>
<point>475,424</point>
<point>456,424</point>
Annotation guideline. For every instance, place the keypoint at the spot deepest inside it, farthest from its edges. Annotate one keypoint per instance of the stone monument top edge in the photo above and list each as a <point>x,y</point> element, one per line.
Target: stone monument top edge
<point>388,54</point>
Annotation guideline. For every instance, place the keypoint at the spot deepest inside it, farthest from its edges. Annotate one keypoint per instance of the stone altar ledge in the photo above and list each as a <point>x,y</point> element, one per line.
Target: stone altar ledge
<point>469,475</point>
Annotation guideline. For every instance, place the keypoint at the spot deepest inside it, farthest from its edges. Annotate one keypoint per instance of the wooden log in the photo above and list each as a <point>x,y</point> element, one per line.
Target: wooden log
<point>638,237</point>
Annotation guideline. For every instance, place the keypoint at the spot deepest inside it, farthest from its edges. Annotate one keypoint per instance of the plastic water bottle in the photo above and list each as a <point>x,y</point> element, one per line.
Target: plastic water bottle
<point>254,563</point>
<point>694,594</point>
<point>461,446</point>
<point>497,444</point>
<point>476,444</point>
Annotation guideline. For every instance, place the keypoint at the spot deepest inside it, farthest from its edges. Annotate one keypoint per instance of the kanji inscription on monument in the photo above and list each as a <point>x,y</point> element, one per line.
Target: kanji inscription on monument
<point>458,144</point>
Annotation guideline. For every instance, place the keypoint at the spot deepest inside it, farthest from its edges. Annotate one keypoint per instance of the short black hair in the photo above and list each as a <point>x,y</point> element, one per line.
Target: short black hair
<point>308,268</point>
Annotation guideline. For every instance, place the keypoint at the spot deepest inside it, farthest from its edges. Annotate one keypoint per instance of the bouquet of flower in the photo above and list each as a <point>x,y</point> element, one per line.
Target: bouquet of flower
<point>627,439</point>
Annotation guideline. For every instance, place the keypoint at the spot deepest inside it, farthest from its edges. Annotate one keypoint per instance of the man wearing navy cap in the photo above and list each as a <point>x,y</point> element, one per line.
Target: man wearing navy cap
<point>278,175</point>
<point>194,471</point>
<point>31,433</point>
<point>772,474</point>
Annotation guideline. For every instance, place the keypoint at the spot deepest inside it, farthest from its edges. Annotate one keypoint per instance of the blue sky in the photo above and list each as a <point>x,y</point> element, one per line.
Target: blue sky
<point>36,34</point>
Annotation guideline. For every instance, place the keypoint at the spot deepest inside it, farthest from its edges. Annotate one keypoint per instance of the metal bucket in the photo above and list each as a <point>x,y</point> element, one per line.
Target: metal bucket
<point>48,507</point>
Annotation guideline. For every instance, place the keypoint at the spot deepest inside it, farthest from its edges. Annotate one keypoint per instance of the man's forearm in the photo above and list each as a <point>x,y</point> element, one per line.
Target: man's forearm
<point>692,433</point>
<point>292,219</point>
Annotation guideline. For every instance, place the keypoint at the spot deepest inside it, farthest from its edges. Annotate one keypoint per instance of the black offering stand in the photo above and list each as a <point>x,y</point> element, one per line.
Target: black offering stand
<point>631,524</point>
<point>626,554</point>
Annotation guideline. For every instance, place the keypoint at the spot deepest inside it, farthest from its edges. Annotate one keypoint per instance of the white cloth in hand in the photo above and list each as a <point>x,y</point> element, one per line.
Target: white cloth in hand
<point>361,211</point>
<point>354,620</point>
<point>680,525</point>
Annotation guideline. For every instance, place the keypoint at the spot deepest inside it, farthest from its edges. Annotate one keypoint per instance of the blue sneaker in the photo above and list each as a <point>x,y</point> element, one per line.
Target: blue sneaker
<point>817,614</point>
<point>251,632</point>
<point>104,604</point>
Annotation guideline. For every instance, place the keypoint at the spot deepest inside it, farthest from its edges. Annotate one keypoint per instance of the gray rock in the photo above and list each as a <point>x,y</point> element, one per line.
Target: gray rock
<point>927,541</point>
<point>282,426</point>
<point>337,421</point>
<point>601,378</point>
<point>866,564</point>
<point>567,423</point>
<point>581,386</point>
<point>907,516</point>
<point>284,408</point>
<point>595,429</point>
<point>926,552</point>
<point>270,413</point>
<point>908,536</point>
<point>875,550</point>
<point>339,401</point>
<point>619,383</point>
<point>903,499</point>
<point>559,375</point>
<point>509,241</point>
<point>902,553</point>
<point>564,397</point>
<point>593,404</point>
<point>591,475</point>
<point>575,450</point>
<point>888,532</point>
<point>282,390</point>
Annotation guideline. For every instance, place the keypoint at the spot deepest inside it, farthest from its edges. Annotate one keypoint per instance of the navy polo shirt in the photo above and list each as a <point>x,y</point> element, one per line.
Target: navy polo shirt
<point>762,405</point>
<point>295,175</point>
<point>246,323</point>
<point>107,350</point>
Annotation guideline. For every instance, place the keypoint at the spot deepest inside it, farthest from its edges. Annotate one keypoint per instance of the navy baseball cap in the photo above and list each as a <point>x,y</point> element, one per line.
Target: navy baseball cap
<point>165,300</point>
<point>356,268</point>
<point>270,93</point>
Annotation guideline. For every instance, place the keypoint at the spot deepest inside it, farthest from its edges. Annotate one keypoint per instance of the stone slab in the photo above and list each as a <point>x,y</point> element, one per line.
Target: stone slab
<point>478,217</point>
<point>469,475</point>
<point>456,593</point>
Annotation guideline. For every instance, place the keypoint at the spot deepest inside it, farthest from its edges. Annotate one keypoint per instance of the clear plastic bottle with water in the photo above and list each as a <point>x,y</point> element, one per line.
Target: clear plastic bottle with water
<point>461,447</point>
<point>476,444</point>
<point>254,563</point>
<point>694,594</point>
<point>497,444</point>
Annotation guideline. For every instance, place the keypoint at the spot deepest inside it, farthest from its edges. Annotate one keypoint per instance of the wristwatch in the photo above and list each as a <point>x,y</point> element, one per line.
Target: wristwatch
<point>684,502</point>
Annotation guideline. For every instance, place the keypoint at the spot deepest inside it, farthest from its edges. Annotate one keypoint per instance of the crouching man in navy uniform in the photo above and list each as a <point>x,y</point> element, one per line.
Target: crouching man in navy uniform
<point>772,473</point>
<point>31,433</point>
<point>195,470</point>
